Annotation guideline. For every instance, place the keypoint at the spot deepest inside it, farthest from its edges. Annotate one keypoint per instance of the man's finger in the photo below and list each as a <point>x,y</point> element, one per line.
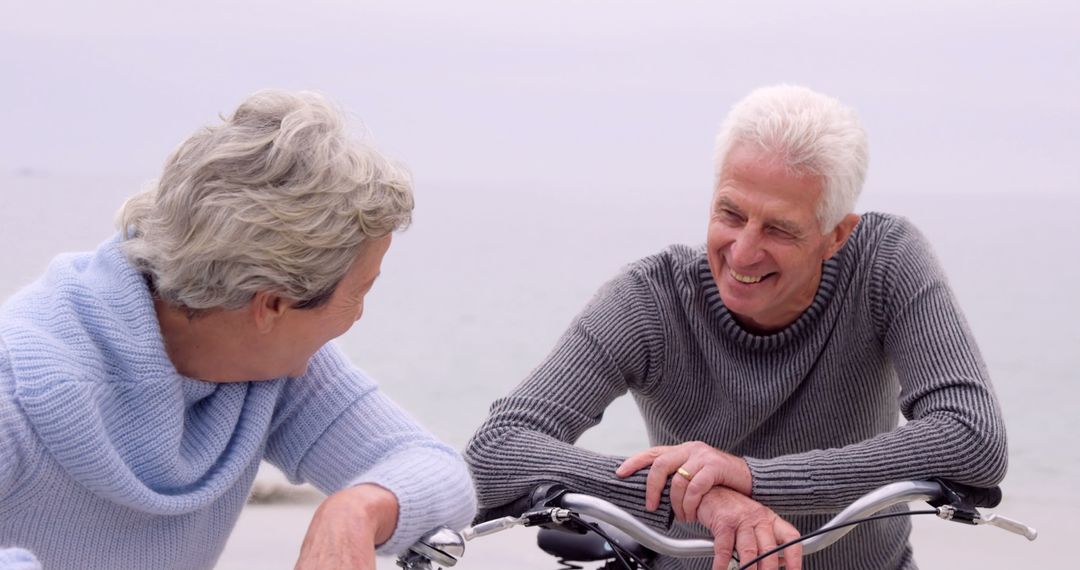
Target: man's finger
<point>792,554</point>
<point>678,489</point>
<point>638,461</point>
<point>723,546</point>
<point>746,544</point>
<point>702,482</point>
<point>654,486</point>
<point>682,480</point>
<point>663,467</point>
<point>766,541</point>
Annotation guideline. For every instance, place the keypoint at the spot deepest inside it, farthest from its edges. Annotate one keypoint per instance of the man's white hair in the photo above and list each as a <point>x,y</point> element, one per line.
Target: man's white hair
<point>811,133</point>
<point>277,198</point>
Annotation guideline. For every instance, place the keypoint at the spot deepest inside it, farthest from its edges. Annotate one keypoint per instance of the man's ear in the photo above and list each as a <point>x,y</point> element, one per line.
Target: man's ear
<point>267,308</point>
<point>840,234</point>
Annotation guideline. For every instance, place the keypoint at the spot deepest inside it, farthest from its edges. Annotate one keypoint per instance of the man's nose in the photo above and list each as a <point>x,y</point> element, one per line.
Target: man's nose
<point>747,250</point>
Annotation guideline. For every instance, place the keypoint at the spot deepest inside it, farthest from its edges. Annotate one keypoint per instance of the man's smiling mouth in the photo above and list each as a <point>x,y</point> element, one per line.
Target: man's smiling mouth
<point>748,279</point>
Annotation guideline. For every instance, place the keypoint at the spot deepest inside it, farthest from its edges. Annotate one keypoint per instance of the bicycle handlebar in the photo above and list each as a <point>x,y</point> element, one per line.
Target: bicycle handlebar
<point>870,503</point>
<point>954,502</point>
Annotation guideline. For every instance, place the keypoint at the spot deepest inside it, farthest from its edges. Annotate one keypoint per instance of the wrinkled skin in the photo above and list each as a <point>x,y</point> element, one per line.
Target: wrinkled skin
<point>347,527</point>
<point>717,496</point>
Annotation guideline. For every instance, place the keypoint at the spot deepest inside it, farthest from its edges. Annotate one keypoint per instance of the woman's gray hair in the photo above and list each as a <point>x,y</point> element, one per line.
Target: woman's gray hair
<point>277,198</point>
<point>811,133</point>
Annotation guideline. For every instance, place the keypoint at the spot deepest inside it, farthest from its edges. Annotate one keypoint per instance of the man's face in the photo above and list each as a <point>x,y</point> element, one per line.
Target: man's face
<point>765,246</point>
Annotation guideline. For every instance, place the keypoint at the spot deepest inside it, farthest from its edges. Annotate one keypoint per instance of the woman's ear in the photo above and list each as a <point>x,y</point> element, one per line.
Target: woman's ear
<point>267,309</point>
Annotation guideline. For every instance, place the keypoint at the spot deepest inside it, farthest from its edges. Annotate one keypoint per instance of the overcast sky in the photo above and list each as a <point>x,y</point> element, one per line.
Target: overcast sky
<point>973,96</point>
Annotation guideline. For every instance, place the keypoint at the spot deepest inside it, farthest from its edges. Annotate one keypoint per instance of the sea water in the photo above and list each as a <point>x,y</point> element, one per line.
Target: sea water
<point>478,290</point>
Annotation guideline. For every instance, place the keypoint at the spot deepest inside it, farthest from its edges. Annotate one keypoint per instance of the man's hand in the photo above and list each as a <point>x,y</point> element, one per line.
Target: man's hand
<point>703,467</point>
<point>741,524</point>
<point>346,528</point>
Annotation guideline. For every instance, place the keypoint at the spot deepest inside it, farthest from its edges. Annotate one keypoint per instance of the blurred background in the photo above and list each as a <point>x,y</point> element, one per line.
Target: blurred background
<point>553,142</point>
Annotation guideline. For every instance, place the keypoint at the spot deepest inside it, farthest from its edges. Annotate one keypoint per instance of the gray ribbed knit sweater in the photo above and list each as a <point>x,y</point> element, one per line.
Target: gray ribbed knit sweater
<point>813,408</point>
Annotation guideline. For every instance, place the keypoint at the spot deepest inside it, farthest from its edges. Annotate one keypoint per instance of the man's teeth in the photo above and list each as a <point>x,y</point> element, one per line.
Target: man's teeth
<point>746,278</point>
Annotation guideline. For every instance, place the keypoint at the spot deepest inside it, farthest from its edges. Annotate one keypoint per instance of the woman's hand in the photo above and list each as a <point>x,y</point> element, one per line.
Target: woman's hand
<point>694,468</point>
<point>347,527</point>
<point>741,524</point>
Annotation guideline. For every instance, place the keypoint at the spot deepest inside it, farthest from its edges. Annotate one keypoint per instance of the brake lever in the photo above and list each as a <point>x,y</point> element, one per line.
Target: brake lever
<point>1005,523</point>
<point>538,517</point>
<point>958,503</point>
<point>490,527</point>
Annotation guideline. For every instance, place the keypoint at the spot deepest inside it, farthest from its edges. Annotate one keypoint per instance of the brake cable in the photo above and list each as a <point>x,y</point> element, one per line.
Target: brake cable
<point>828,529</point>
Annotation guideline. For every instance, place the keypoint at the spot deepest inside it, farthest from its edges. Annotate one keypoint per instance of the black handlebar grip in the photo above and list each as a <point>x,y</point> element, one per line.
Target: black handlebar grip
<point>542,495</point>
<point>959,494</point>
<point>982,497</point>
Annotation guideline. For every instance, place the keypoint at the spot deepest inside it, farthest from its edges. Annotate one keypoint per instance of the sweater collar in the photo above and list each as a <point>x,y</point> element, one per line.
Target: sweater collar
<point>92,376</point>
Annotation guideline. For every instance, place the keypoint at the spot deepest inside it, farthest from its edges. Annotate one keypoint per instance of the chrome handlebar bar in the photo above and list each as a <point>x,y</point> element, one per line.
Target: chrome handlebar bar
<point>445,547</point>
<point>870,503</point>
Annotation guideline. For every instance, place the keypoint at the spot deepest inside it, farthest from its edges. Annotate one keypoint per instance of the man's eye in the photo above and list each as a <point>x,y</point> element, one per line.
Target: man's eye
<point>781,233</point>
<point>730,215</point>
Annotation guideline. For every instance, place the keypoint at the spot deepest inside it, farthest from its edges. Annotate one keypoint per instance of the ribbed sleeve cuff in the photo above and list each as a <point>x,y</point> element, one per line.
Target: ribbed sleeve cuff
<point>628,493</point>
<point>785,486</point>
<point>506,470</point>
<point>433,489</point>
<point>663,516</point>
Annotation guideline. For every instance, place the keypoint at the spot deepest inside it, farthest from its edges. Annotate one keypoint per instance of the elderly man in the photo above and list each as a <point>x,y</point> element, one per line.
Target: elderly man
<point>769,366</point>
<point>142,384</point>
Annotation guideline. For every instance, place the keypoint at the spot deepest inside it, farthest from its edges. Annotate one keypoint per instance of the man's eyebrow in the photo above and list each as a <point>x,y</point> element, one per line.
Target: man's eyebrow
<point>725,202</point>
<point>787,226</point>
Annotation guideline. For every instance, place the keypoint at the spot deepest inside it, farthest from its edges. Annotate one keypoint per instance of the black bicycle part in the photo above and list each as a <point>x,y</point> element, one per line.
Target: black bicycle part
<point>589,547</point>
<point>544,495</point>
<point>621,552</point>
<point>963,500</point>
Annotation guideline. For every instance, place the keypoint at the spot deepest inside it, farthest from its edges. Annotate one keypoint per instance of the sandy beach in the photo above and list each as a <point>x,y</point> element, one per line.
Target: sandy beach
<point>269,534</point>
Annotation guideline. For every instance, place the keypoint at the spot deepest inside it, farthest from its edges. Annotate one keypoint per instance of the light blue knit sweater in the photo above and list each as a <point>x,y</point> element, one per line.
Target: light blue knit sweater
<point>109,458</point>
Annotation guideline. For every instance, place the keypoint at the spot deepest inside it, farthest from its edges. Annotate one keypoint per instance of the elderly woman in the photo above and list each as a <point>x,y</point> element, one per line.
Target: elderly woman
<point>142,384</point>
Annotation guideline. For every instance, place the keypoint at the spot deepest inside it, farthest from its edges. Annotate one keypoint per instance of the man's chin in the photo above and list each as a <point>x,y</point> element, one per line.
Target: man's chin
<point>738,302</point>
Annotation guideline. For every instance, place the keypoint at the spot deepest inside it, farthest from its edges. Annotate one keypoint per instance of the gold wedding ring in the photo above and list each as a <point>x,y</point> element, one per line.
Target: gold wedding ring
<point>688,475</point>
